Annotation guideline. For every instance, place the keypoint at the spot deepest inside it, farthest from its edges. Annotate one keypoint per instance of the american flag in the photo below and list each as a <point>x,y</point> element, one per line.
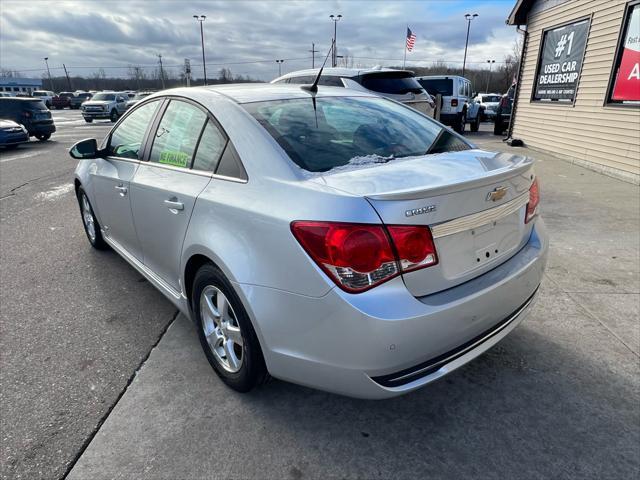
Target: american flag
<point>411,39</point>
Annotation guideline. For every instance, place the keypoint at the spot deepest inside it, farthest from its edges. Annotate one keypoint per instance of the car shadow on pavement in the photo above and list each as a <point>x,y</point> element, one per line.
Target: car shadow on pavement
<point>556,399</point>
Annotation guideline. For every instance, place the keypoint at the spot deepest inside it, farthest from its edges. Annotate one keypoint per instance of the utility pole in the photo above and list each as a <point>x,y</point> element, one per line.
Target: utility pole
<point>334,56</point>
<point>313,55</point>
<point>67,75</point>
<point>48,73</point>
<point>279,62</point>
<point>161,70</point>
<point>468,17</point>
<point>201,19</point>
<point>187,71</point>
<point>490,62</point>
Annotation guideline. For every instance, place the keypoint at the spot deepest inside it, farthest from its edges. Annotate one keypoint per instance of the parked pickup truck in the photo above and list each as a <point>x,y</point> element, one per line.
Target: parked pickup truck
<point>62,100</point>
<point>104,105</point>
<point>45,95</point>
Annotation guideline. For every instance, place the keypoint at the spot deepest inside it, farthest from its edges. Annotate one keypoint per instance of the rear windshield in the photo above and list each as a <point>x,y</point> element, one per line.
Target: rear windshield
<point>104,96</point>
<point>10,104</point>
<point>398,83</point>
<point>435,86</point>
<point>491,98</point>
<point>349,131</point>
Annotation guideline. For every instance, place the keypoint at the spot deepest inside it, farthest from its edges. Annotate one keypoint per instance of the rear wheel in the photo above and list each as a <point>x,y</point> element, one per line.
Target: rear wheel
<point>90,222</point>
<point>88,120</point>
<point>461,122</point>
<point>225,331</point>
<point>497,126</point>
<point>114,115</point>
<point>475,124</point>
<point>43,137</point>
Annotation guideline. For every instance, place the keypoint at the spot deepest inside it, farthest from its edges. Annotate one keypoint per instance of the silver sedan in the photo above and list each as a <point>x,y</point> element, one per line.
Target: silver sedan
<point>330,238</point>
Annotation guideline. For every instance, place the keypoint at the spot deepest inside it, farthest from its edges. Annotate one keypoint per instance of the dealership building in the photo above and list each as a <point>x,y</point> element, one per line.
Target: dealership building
<point>19,86</point>
<point>578,93</point>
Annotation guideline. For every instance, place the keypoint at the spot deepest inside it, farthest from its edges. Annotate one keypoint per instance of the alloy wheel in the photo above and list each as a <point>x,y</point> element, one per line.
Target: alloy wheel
<point>221,329</point>
<point>87,218</point>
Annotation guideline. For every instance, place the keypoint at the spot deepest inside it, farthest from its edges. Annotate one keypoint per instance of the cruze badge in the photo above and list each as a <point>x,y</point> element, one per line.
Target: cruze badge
<point>420,211</point>
<point>497,193</point>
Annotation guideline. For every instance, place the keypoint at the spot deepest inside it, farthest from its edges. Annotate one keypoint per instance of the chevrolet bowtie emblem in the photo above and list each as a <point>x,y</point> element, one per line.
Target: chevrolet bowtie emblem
<point>497,193</point>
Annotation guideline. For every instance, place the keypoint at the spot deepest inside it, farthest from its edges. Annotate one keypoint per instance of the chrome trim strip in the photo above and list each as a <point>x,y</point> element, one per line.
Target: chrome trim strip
<point>461,353</point>
<point>143,269</point>
<point>481,218</point>
<point>191,171</point>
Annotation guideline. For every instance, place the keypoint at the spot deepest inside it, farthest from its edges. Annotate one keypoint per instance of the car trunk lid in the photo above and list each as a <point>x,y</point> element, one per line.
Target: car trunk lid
<point>474,202</point>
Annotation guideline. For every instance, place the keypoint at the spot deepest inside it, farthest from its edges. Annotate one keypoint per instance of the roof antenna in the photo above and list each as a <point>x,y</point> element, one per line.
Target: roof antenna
<point>314,87</point>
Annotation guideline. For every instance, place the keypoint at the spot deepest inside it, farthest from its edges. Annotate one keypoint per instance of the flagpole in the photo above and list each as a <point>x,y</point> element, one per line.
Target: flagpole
<point>404,60</point>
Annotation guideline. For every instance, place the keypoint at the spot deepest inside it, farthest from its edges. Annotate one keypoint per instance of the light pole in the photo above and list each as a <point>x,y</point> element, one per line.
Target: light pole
<point>48,72</point>
<point>490,62</point>
<point>313,55</point>
<point>468,17</point>
<point>334,56</point>
<point>201,19</point>
<point>279,62</point>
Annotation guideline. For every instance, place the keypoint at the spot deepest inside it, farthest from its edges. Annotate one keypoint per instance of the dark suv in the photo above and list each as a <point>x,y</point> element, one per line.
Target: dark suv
<point>503,112</point>
<point>30,112</point>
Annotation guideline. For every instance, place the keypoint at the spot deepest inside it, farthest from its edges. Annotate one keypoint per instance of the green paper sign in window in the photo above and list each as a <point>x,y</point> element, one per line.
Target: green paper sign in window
<point>177,159</point>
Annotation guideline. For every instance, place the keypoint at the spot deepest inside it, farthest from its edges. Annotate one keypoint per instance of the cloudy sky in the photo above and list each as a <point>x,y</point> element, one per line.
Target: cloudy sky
<point>245,36</point>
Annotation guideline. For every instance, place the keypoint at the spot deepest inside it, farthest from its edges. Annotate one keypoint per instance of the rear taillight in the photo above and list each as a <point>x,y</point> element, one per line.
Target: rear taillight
<point>358,257</point>
<point>454,102</point>
<point>534,200</point>
<point>503,102</point>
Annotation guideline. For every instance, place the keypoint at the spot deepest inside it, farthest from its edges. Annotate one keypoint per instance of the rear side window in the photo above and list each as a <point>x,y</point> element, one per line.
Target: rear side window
<point>330,81</point>
<point>303,80</point>
<point>127,138</point>
<point>177,135</point>
<point>210,148</point>
<point>435,86</point>
<point>398,83</point>
<point>37,105</point>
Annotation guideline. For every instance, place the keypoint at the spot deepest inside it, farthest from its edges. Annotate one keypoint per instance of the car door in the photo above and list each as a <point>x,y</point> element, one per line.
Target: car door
<point>187,145</point>
<point>112,175</point>
<point>121,104</point>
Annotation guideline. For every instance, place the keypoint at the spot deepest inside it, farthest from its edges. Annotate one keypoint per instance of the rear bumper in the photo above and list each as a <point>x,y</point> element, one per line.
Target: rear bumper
<point>40,128</point>
<point>360,345</point>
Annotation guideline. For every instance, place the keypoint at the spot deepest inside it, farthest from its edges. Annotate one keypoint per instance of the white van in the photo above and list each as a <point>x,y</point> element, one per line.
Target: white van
<point>458,107</point>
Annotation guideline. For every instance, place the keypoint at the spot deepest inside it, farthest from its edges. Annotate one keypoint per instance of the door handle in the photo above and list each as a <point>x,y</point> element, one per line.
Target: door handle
<point>122,190</point>
<point>174,205</point>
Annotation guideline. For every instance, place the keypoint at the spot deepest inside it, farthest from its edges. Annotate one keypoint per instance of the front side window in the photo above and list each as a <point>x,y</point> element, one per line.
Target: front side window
<point>126,140</point>
<point>210,148</point>
<point>330,81</point>
<point>348,130</point>
<point>624,87</point>
<point>177,135</point>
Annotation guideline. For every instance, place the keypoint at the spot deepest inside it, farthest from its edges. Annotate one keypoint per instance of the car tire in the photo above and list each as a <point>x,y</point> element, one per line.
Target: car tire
<point>88,120</point>
<point>227,334</point>
<point>90,222</point>
<point>114,116</point>
<point>497,127</point>
<point>43,137</point>
<point>460,123</point>
<point>475,125</point>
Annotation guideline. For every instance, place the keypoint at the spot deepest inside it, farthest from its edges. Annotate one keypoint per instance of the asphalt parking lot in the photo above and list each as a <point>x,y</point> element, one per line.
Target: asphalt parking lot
<point>99,375</point>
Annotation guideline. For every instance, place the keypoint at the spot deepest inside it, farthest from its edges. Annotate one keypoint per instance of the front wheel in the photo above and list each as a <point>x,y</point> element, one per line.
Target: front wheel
<point>225,331</point>
<point>88,120</point>
<point>114,116</point>
<point>90,222</point>
<point>43,137</point>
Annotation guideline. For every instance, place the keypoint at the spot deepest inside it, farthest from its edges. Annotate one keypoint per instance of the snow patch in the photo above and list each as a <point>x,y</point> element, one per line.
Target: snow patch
<point>55,192</point>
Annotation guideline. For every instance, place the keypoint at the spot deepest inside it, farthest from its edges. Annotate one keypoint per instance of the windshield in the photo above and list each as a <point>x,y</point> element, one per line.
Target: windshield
<point>442,86</point>
<point>398,83</point>
<point>490,98</point>
<point>104,96</point>
<point>348,130</point>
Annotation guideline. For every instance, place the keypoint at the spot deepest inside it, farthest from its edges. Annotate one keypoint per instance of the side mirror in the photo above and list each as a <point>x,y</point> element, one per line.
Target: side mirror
<point>84,149</point>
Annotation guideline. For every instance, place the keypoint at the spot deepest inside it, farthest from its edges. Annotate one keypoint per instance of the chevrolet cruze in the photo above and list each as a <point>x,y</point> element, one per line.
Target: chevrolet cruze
<point>330,237</point>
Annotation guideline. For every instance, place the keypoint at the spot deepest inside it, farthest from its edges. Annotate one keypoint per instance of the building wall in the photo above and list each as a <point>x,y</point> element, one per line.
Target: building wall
<point>588,132</point>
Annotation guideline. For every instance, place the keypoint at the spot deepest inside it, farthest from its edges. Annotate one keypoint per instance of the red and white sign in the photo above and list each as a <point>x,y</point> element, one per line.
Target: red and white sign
<point>627,86</point>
